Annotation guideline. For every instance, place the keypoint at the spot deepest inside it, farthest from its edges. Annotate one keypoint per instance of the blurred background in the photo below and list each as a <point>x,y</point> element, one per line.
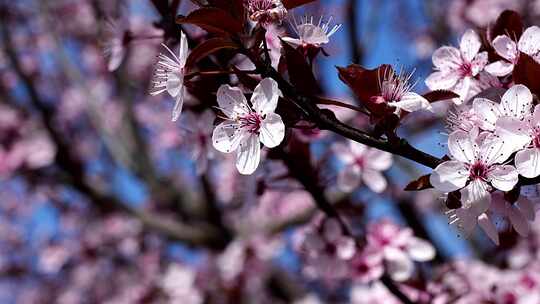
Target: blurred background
<point>104,200</point>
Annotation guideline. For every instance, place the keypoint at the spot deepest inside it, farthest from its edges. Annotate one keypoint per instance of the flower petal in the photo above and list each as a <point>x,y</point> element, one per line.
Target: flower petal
<point>248,155</point>
<point>177,110</point>
<point>398,264</point>
<point>470,45</point>
<point>227,136</point>
<point>475,197</point>
<point>496,149</point>
<point>500,68</point>
<point>232,101</point>
<point>272,130</point>
<point>504,177</point>
<point>517,102</point>
<point>349,178</point>
<point>446,57</point>
<point>526,208</point>
<point>411,102</point>
<point>518,220</point>
<point>374,180</point>
<point>265,96</point>
<point>175,83</point>
<point>513,133</point>
<point>487,111</point>
<point>183,51</point>
<point>462,147</point>
<point>529,43</point>
<point>505,47</point>
<point>378,160</point>
<point>420,250</point>
<point>312,34</point>
<point>478,63</point>
<point>449,176</point>
<point>489,228</point>
<point>442,80</point>
<point>528,162</point>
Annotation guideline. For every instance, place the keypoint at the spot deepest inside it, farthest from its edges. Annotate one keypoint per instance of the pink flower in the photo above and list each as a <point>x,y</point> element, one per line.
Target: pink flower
<point>179,284</point>
<point>475,166</point>
<point>246,127</point>
<point>375,293</point>
<point>396,91</point>
<point>529,43</point>
<point>266,12</point>
<point>169,75</point>
<point>311,34</point>
<point>362,164</point>
<point>519,213</point>
<point>456,68</point>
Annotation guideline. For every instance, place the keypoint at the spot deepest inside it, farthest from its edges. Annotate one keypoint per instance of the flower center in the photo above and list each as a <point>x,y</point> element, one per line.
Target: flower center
<point>359,161</point>
<point>478,171</point>
<point>465,69</point>
<point>251,122</point>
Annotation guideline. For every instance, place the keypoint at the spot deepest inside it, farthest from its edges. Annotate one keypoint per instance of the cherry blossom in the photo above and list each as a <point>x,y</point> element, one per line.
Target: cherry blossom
<point>311,34</point>
<point>476,166</point>
<point>509,50</point>
<point>362,164</point>
<point>247,126</point>
<point>519,213</point>
<point>115,46</point>
<point>456,68</point>
<point>396,92</point>
<point>169,75</point>
<point>266,12</point>
<point>179,283</point>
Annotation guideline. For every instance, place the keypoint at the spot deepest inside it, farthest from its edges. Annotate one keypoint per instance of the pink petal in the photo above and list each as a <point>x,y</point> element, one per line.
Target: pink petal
<point>349,178</point>
<point>505,47</point>
<point>461,146</point>
<point>504,177</point>
<point>517,101</point>
<point>489,228</point>
<point>420,250</point>
<point>519,222</point>
<point>470,45</point>
<point>529,43</point>
<point>374,180</point>
<point>447,57</point>
<point>442,80</point>
<point>528,162</point>
<point>449,176</point>
<point>500,68</point>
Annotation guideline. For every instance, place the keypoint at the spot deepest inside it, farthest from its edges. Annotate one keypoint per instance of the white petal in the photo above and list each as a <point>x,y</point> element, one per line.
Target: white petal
<point>420,250</point>
<point>505,47</point>
<point>462,147</point>
<point>478,63</point>
<point>442,80</point>
<point>470,45</point>
<point>343,153</point>
<point>374,180</point>
<point>292,41</point>
<point>312,34</point>
<point>536,116</point>
<point>272,130</point>
<point>248,155</point>
<point>489,228</point>
<point>175,83</point>
<point>528,162</point>
<point>513,132</point>
<point>449,176</point>
<point>500,68</point>
<point>518,220</point>
<point>227,136</point>
<point>179,102</point>
<point>378,160</point>
<point>529,43</point>
<point>526,208</point>
<point>495,150</point>
<point>446,57</point>
<point>475,197</point>
<point>411,102</point>
<point>183,51</point>
<point>504,177</point>
<point>398,265</point>
<point>517,101</point>
<point>349,178</point>
<point>231,101</point>
<point>265,96</point>
<point>467,221</point>
<point>357,148</point>
<point>487,111</point>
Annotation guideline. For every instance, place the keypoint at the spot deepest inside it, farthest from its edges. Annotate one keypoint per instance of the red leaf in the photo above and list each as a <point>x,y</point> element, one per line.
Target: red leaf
<point>290,4</point>
<point>509,23</point>
<point>213,20</point>
<point>363,82</point>
<point>300,73</point>
<point>526,72</point>
<point>235,7</point>
<point>208,47</point>
<point>438,95</point>
<point>421,183</point>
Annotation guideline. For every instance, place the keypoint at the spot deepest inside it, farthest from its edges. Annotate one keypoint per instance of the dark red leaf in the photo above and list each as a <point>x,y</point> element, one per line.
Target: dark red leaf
<point>526,72</point>
<point>235,7</point>
<point>300,73</point>
<point>419,184</point>
<point>213,20</point>
<point>289,4</point>
<point>453,200</point>
<point>438,95</point>
<point>208,47</point>
<point>509,23</point>
<point>363,82</point>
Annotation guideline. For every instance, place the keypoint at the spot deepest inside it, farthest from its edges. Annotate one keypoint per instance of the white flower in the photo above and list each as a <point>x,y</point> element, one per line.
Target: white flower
<point>310,34</point>
<point>456,68</point>
<point>476,167</point>
<point>118,36</point>
<point>396,90</point>
<point>178,282</point>
<point>362,164</point>
<point>516,103</point>
<point>529,43</point>
<point>169,75</point>
<point>246,127</point>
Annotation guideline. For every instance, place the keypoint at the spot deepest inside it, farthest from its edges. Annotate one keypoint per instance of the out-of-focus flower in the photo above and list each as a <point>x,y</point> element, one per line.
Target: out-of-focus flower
<point>464,118</point>
<point>308,299</point>
<point>266,12</point>
<point>529,43</point>
<point>519,213</point>
<point>476,167</point>
<point>374,293</point>
<point>273,42</point>
<point>311,34</point>
<point>246,127</point>
<point>199,138</point>
<point>53,258</point>
<point>169,75</point>
<point>326,249</point>
<point>362,164</point>
<point>179,284</point>
<point>396,91</point>
<point>115,47</point>
<point>456,68</point>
